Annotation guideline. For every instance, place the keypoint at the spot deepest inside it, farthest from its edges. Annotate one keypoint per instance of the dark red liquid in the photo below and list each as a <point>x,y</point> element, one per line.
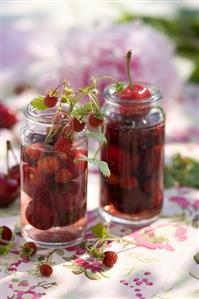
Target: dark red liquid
<point>134,191</point>
<point>53,206</point>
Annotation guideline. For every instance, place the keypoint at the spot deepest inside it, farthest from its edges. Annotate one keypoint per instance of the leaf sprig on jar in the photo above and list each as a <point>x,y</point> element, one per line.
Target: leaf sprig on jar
<point>75,111</point>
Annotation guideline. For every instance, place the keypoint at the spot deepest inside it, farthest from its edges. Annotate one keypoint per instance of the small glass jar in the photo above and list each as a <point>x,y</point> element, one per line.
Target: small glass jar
<point>53,183</point>
<point>134,151</point>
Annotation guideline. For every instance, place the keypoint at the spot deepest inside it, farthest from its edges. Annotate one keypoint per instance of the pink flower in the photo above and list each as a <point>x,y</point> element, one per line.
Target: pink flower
<point>82,52</point>
<point>90,263</point>
<point>181,234</point>
<point>181,201</point>
<point>148,239</point>
<point>195,204</point>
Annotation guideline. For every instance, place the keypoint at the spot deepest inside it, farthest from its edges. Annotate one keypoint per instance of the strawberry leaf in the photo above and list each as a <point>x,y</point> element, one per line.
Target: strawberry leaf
<point>99,231</point>
<point>38,103</point>
<point>102,165</point>
<point>4,249</point>
<point>98,136</point>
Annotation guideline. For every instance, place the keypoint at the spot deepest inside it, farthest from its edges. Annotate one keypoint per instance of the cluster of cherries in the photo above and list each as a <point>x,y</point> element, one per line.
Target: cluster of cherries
<point>134,155</point>
<point>29,249</point>
<point>10,181</point>
<point>7,117</point>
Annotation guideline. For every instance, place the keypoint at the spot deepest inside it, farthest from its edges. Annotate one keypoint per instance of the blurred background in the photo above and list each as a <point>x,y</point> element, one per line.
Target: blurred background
<point>43,42</point>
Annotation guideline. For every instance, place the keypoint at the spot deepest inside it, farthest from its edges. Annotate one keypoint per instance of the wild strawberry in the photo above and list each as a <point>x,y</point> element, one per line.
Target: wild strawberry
<point>77,125</point>
<point>95,121</point>
<point>48,164</point>
<point>63,144</point>
<point>34,151</point>
<point>50,101</point>
<point>63,176</point>
<point>45,270</point>
<point>110,258</point>
<point>31,177</point>
<point>113,179</point>
<point>29,249</point>
<point>5,234</point>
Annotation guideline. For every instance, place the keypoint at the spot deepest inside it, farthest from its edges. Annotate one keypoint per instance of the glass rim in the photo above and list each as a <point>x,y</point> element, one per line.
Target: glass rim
<point>110,94</point>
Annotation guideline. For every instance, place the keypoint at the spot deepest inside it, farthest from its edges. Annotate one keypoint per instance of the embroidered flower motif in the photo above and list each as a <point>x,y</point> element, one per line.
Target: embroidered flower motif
<point>180,201</point>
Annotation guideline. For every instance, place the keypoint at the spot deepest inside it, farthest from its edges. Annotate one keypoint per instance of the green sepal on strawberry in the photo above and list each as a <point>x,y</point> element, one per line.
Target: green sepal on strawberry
<point>29,249</point>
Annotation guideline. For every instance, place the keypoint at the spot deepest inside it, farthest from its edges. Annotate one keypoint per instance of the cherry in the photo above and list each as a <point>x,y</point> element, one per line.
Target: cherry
<point>5,234</point>
<point>45,270</point>
<point>10,182</point>
<point>139,92</point>
<point>7,117</point>
<point>50,101</point>
<point>9,190</point>
<point>134,91</point>
<point>95,121</point>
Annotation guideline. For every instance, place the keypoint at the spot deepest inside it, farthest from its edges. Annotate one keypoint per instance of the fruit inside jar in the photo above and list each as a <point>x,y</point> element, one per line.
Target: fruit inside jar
<point>53,199</point>
<point>134,191</point>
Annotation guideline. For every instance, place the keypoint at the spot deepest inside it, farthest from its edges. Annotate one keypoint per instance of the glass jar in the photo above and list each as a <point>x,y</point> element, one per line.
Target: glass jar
<point>134,151</point>
<point>53,183</point>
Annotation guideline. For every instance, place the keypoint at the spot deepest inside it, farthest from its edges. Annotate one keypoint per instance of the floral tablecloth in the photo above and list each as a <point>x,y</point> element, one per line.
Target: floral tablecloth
<point>159,264</point>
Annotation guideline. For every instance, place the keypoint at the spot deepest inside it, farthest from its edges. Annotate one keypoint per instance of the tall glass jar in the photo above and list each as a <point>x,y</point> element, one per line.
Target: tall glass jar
<point>53,183</point>
<point>134,151</point>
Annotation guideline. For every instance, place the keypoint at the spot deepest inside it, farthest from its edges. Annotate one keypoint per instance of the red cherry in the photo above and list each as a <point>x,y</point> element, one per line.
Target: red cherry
<point>29,249</point>
<point>5,234</point>
<point>14,172</point>
<point>110,258</point>
<point>94,121</point>
<point>7,117</point>
<point>50,101</point>
<point>77,125</point>
<point>63,144</point>
<point>45,270</point>
<point>35,150</point>
<point>39,215</point>
<point>63,176</point>
<point>128,182</point>
<point>48,164</point>
<point>9,190</point>
<point>139,92</point>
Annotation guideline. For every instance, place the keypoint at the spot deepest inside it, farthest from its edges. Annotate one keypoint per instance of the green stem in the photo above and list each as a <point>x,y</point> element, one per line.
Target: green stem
<point>128,60</point>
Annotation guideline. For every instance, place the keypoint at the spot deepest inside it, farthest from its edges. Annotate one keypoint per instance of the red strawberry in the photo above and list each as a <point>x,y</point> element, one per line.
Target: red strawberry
<point>63,176</point>
<point>77,125</point>
<point>45,270</point>
<point>113,179</point>
<point>48,164</point>
<point>79,166</point>
<point>63,144</point>
<point>5,234</point>
<point>94,121</point>
<point>29,249</point>
<point>50,101</point>
<point>31,177</point>
<point>110,258</point>
<point>34,151</point>
<point>39,215</point>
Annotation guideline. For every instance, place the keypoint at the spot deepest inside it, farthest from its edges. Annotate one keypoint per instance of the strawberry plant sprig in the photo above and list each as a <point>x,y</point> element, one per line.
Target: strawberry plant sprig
<point>75,110</point>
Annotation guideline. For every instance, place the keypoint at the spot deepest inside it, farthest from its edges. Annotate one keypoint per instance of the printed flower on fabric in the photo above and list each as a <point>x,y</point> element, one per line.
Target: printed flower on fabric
<point>180,201</point>
<point>160,237</point>
<point>92,268</point>
<point>195,204</point>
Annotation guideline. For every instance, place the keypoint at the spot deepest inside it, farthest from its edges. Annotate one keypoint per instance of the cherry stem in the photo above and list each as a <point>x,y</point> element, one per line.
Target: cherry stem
<point>8,147</point>
<point>128,60</point>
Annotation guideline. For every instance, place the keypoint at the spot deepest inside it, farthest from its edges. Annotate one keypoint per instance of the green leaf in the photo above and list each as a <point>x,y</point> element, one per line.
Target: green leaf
<point>99,231</point>
<point>38,103</point>
<point>98,136</point>
<point>4,250</point>
<point>195,221</point>
<point>119,86</point>
<point>60,252</point>
<point>196,258</point>
<point>82,111</point>
<point>102,165</point>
